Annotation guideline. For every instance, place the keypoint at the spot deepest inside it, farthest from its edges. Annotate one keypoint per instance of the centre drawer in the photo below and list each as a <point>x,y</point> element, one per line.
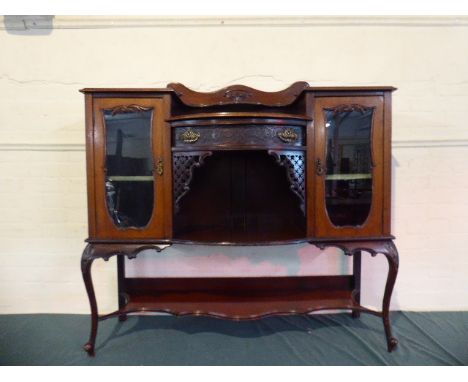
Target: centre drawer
<point>239,135</point>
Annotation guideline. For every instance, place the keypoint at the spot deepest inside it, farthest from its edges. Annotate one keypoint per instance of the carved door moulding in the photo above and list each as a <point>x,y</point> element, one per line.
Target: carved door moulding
<point>124,109</point>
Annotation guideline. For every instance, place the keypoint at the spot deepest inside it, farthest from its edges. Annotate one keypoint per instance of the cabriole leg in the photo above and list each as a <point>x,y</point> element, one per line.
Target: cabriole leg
<point>86,262</point>
<point>392,257</point>
<point>387,248</point>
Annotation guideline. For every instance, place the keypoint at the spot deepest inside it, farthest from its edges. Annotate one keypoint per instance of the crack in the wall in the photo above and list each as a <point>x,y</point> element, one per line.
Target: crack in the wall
<point>257,76</point>
<point>198,87</point>
<point>238,81</point>
<point>39,81</point>
<point>6,77</point>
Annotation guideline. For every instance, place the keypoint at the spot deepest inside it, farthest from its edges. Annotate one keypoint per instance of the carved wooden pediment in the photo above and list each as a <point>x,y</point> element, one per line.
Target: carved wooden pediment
<point>238,94</point>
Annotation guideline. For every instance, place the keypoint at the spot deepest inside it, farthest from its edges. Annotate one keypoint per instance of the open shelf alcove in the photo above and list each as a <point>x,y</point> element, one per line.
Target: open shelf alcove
<point>240,196</point>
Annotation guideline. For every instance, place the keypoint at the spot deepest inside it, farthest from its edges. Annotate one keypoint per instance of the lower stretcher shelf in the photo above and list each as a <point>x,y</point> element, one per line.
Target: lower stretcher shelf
<point>239,307</point>
<point>239,298</point>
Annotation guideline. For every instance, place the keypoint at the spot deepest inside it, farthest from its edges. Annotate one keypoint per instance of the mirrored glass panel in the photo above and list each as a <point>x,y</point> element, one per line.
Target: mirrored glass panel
<point>129,175</point>
<point>348,180</point>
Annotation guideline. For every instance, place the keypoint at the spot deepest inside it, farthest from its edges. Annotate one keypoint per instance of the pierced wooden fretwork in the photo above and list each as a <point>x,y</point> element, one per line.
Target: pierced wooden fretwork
<point>183,165</point>
<point>294,163</point>
<point>121,109</point>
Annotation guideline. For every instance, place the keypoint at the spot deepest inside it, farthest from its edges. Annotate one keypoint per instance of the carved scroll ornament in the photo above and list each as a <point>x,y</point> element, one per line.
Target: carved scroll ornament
<point>183,165</point>
<point>294,163</point>
<point>238,94</point>
<point>121,109</point>
<point>348,108</point>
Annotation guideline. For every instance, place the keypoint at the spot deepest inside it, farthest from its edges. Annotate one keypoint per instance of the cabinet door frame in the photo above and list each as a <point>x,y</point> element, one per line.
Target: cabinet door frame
<point>373,226</point>
<point>104,225</point>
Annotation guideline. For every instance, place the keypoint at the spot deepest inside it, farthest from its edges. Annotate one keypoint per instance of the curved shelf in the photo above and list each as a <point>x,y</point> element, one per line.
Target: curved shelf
<point>344,304</point>
<point>168,242</point>
<point>229,147</point>
<point>348,176</point>
<point>239,114</point>
<point>130,178</point>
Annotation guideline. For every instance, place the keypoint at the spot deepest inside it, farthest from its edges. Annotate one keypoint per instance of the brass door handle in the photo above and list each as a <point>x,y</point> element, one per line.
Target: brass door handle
<point>319,169</point>
<point>160,167</point>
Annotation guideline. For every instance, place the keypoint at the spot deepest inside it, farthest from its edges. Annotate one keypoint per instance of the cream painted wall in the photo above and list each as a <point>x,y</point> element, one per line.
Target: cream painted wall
<point>42,161</point>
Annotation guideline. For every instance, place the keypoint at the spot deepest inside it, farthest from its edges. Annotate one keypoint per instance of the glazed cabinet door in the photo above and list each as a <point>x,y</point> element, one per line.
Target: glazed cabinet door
<point>349,166</point>
<point>129,168</point>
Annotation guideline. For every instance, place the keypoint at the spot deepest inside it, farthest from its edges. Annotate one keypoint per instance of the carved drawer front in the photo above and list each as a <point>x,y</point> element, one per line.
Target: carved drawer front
<point>244,135</point>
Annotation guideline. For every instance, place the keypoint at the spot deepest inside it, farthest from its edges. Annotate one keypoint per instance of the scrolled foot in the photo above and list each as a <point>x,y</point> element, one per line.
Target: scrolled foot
<point>392,344</point>
<point>122,317</point>
<point>355,314</point>
<point>89,348</point>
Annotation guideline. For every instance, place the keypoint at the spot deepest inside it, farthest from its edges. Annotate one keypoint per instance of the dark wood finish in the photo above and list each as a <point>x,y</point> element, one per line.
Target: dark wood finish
<point>276,242</point>
<point>265,136</point>
<point>241,298</point>
<point>357,281</point>
<point>236,117</point>
<point>183,165</point>
<point>238,285</point>
<point>389,250</point>
<point>167,199</point>
<point>120,91</point>
<point>295,164</point>
<point>351,89</point>
<point>387,163</point>
<point>104,225</point>
<point>310,161</point>
<point>321,89</point>
<point>373,223</point>
<point>91,253</point>
<point>90,165</point>
<point>190,147</point>
<point>121,285</point>
<point>239,196</point>
<point>215,155</point>
<point>236,94</point>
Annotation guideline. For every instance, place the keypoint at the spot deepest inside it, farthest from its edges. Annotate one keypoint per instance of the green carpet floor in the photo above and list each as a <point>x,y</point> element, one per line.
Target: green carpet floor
<point>434,338</point>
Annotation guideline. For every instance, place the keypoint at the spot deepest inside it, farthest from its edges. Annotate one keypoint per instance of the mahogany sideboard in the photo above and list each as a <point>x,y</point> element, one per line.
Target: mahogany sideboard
<point>239,166</point>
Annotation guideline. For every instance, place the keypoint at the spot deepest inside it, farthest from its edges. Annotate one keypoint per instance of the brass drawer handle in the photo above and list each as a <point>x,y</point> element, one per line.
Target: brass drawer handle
<point>319,169</point>
<point>288,135</point>
<point>190,136</point>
